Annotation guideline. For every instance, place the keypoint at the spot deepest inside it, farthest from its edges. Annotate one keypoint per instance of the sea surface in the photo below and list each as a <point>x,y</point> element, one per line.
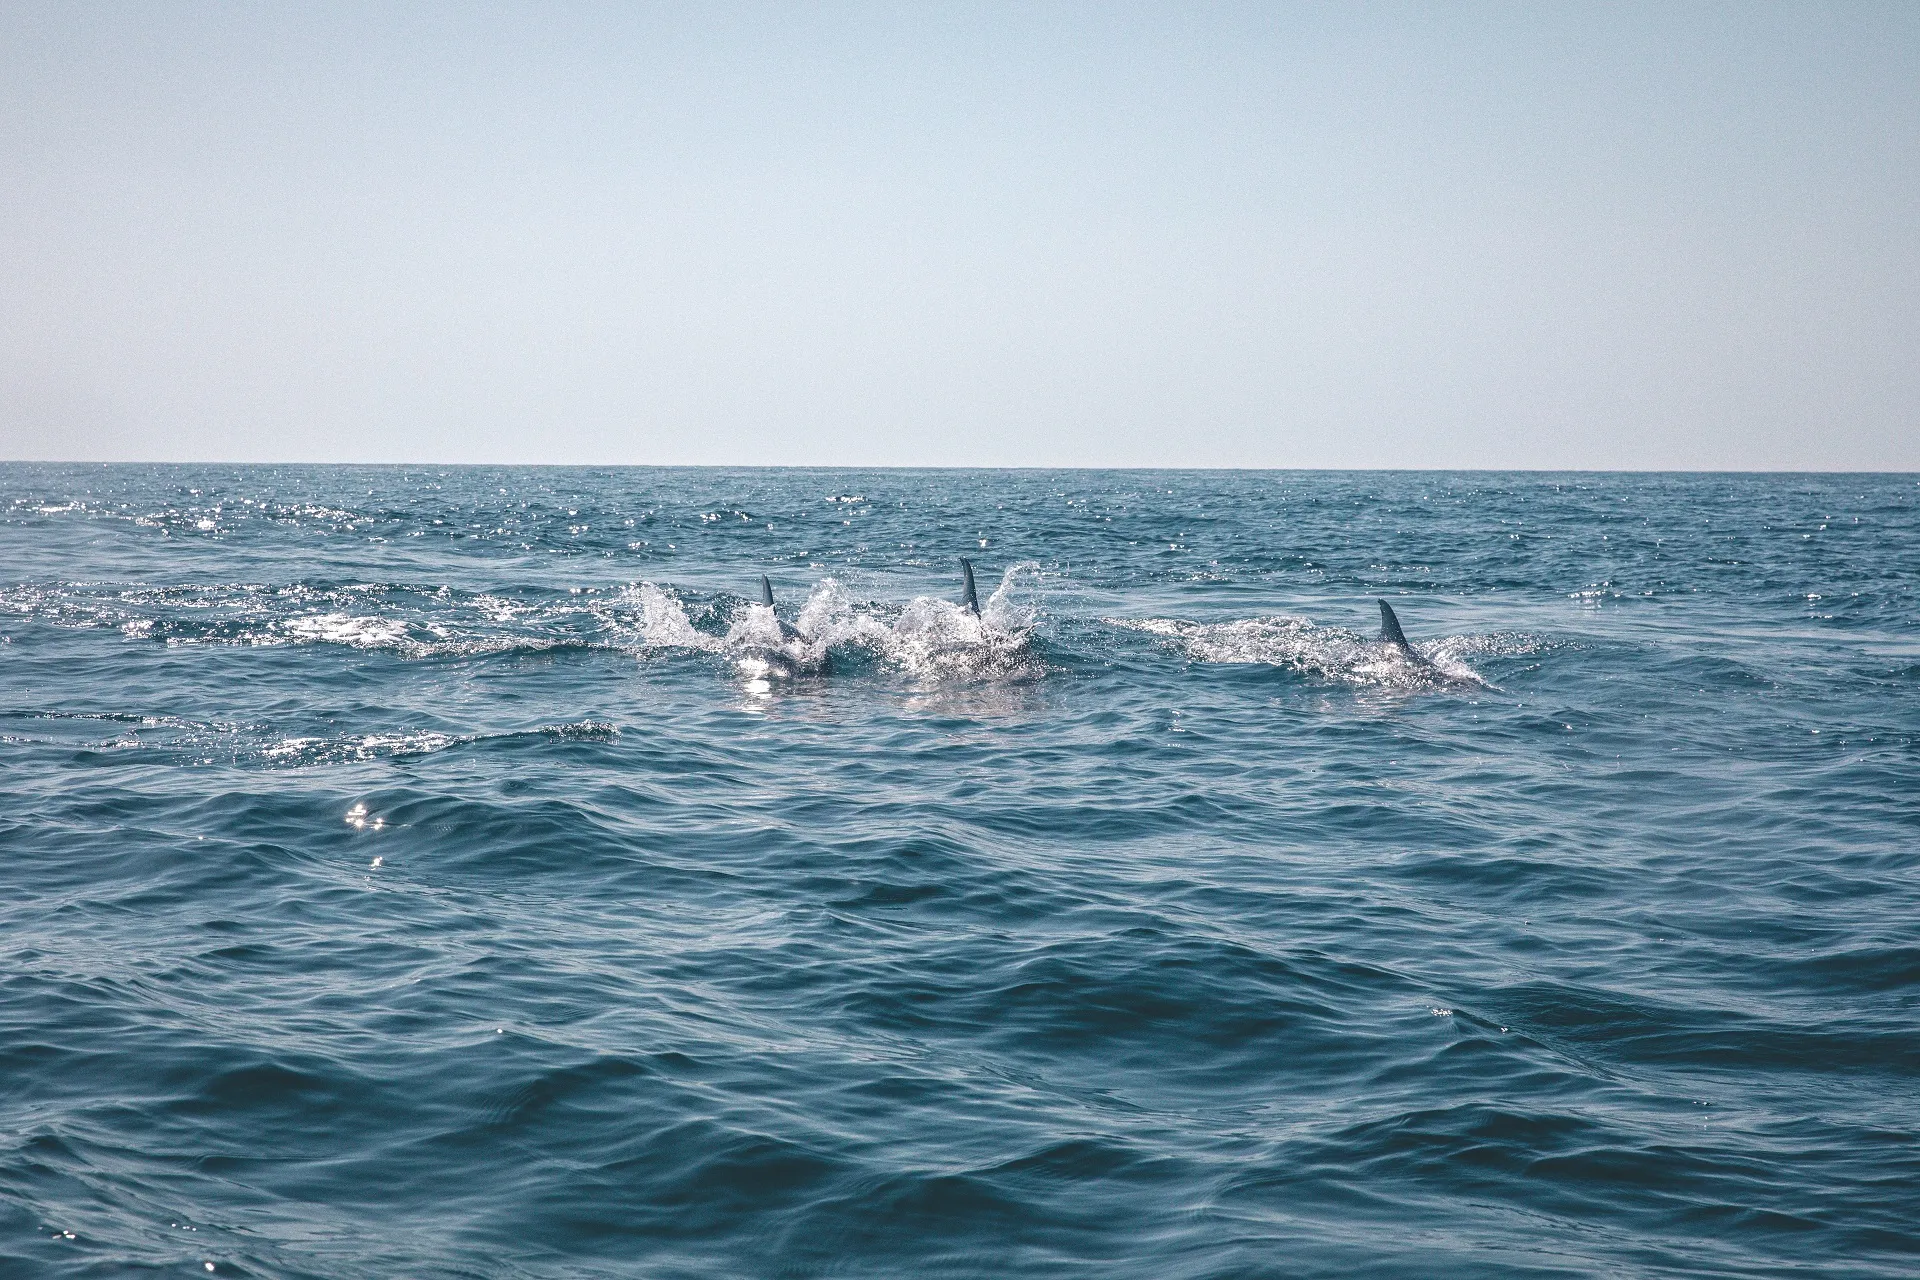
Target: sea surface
<point>421,872</point>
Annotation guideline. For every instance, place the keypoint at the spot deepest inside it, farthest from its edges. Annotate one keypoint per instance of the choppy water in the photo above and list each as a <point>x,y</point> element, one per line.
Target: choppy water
<point>411,872</point>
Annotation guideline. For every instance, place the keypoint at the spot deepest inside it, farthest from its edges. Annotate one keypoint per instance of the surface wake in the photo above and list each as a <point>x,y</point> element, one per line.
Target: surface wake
<point>1326,653</point>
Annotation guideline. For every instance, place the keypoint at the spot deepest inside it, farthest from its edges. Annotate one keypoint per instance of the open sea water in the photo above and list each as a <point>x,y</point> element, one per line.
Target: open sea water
<point>457,873</point>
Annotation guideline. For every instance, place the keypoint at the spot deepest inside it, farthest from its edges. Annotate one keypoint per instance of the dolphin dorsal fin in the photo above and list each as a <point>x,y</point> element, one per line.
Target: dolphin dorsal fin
<point>972,598</point>
<point>786,632</point>
<point>1390,632</point>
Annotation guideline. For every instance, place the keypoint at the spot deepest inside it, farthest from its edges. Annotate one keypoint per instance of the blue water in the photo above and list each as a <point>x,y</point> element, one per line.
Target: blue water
<point>420,872</point>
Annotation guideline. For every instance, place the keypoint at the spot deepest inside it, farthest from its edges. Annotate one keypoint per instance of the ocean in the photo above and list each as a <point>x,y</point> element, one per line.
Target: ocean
<point>455,872</point>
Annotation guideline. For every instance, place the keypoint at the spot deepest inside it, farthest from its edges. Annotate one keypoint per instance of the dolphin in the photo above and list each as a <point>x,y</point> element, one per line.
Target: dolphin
<point>795,655</point>
<point>1392,635</point>
<point>786,632</point>
<point>970,601</point>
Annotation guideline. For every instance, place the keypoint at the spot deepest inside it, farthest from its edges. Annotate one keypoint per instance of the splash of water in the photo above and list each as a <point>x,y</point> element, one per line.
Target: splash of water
<point>929,639</point>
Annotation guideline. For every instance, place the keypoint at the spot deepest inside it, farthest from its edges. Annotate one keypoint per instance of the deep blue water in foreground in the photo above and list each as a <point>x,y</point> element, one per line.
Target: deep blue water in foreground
<point>435,873</point>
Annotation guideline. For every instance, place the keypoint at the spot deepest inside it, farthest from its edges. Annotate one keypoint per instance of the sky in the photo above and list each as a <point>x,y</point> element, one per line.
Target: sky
<point>1459,235</point>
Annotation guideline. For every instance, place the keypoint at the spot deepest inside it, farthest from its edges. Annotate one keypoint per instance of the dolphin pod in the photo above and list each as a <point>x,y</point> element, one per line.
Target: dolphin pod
<point>790,656</point>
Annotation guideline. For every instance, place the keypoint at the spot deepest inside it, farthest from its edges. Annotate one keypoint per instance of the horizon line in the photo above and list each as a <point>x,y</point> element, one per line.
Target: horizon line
<point>724,466</point>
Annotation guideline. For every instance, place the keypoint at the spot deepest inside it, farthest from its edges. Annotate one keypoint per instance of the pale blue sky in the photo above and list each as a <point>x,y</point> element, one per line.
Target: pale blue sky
<point>1357,235</point>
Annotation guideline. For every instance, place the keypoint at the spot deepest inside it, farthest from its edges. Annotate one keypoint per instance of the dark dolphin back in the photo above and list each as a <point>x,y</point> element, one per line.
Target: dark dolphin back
<point>972,598</point>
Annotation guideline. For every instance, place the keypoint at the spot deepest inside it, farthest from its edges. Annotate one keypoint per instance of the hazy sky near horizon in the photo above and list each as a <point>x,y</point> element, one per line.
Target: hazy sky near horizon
<point>1314,235</point>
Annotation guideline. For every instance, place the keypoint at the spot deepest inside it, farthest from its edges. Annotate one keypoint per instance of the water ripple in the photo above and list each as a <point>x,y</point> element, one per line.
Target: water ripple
<point>461,873</point>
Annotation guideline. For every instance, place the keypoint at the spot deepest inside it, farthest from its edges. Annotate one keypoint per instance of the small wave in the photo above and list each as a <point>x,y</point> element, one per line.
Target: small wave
<point>341,628</point>
<point>579,731</point>
<point>376,746</point>
<point>104,730</point>
<point>371,746</point>
<point>111,717</point>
